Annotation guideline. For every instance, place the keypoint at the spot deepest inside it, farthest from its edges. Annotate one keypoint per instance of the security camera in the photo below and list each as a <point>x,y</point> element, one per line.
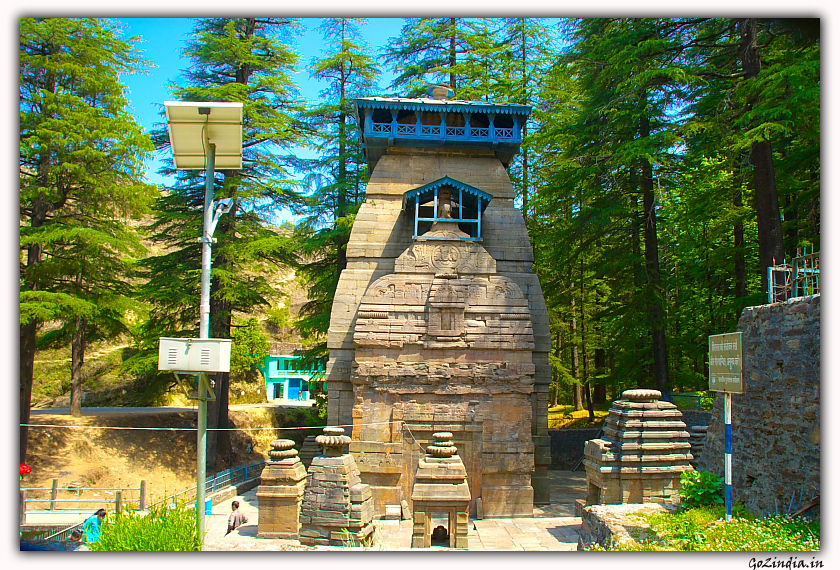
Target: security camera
<point>223,206</point>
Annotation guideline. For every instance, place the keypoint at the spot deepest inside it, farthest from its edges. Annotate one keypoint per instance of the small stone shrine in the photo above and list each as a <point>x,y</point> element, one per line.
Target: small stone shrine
<point>440,487</point>
<point>644,450</point>
<point>439,322</point>
<point>280,492</point>
<point>336,504</point>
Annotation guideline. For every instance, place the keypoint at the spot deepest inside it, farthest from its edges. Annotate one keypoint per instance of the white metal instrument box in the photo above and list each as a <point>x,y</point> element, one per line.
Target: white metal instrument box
<point>191,355</point>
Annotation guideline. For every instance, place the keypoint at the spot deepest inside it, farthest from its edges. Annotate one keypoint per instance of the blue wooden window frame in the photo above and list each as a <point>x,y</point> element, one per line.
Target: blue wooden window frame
<point>415,196</point>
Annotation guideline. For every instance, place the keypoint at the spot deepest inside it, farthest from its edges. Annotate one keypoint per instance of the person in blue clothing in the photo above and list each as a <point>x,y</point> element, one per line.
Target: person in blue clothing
<point>93,525</point>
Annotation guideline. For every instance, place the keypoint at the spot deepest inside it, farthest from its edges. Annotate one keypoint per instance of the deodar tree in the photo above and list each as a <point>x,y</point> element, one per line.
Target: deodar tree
<point>338,177</point>
<point>677,159</point>
<point>247,60</point>
<point>81,170</point>
<point>428,50</point>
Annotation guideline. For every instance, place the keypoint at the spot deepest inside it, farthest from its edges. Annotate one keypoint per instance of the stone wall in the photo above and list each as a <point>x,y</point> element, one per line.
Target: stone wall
<point>567,447</point>
<point>696,418</point>
<point>775,465</point>
<point>611,525</point>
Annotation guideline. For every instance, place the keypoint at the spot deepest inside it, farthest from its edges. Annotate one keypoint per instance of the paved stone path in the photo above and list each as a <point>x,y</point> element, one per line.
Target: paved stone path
<point>552,528</point>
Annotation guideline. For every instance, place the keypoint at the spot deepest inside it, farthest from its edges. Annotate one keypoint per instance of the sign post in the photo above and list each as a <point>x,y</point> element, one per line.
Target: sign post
<point>726,374</point>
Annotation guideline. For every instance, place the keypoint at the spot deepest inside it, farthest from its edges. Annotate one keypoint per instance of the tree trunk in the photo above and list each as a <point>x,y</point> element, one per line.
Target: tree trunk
<point>656,297</point>
<point>453,53</point>
<point>77,360</point>
<point>558,352</point>
<point>740,267</point>
<point>589,406</point>
<point>29,330</point>
<point>586,388</point>
<point>600,392</point>
<point>771,246</point>
<point>28,335</point>
<point>577,394</point>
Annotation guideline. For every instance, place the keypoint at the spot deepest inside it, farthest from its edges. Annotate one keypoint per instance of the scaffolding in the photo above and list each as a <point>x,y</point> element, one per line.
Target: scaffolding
<point>799,278</point>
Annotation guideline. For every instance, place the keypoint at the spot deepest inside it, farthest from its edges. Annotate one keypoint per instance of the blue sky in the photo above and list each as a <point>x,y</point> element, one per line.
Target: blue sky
<point>165,39</point>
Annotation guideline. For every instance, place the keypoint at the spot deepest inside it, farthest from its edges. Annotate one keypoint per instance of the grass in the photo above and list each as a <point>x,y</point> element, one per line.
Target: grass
<point>564,417</point>
<point>703,529</point>
<point>52,373</point>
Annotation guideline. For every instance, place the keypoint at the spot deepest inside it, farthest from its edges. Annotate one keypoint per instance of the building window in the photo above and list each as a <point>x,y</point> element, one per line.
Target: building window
<point>447,200</point>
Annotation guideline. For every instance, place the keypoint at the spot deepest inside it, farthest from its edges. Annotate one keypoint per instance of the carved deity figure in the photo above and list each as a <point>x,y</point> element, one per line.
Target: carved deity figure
<point>445,204</point>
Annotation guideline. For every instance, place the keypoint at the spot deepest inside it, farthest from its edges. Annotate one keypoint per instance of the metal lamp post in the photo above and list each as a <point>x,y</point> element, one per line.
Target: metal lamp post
<point>205,136</point>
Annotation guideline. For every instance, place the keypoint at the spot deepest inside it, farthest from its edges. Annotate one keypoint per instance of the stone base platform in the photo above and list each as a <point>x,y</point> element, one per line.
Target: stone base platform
<point>612,524</point>
<point>552,527</point>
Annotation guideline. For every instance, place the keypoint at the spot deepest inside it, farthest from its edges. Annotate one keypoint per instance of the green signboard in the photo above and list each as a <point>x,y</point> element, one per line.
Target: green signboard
<point>726,358</point>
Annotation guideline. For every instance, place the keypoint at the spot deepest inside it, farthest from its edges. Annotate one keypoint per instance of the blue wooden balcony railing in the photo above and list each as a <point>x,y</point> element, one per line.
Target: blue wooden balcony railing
<point>443,132</point>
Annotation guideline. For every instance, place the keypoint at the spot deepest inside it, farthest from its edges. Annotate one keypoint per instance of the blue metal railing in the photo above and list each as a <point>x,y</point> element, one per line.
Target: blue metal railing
<point>220,481</point>
<point>799,278</point>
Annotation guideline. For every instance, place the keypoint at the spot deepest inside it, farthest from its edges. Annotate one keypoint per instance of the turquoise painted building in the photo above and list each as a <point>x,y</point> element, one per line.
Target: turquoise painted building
<point>286,378</point>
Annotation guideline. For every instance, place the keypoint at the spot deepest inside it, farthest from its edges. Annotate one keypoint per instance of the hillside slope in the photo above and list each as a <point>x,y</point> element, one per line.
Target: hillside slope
<point>88,456</point>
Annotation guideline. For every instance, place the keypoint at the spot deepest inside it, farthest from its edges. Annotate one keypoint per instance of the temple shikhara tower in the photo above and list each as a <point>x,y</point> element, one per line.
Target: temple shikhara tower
<point>439,323</point>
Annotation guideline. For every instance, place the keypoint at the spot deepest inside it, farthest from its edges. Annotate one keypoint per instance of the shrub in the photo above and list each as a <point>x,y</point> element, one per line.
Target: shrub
<point>700,488</point>
<point>707,400</point>
<point>776,533</point>
<point>702,529</point>
<point>164,529</point>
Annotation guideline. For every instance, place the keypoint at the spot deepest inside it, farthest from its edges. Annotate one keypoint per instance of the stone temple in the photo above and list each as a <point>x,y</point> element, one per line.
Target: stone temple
<point>439,322</point>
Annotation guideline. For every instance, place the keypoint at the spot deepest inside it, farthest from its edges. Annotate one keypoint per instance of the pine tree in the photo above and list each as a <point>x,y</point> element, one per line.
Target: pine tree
<point>90,258</point>
<point>759,110</point>
<point>620,150</point>
<point>246,60</point>
<point>660,128</point>
<point>338,177</point>
<point>427,51</point>
<point>81,167</point>
<point>529,47</point>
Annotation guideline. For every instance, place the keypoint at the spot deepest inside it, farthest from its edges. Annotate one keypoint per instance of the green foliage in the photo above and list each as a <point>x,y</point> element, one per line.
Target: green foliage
<point>242,392</point>
<point>587,215</point>
<point>707,399</point>
<point>684,529</point>
<point>338,178</point>
<point>163,529</point>
<point>279,318</point>
<point>428,50</point>
<point>700,488</point>
<point>81,169</point>
<point>246,60</point>
<point>702,529</point>
<point>776,533</point>
<point>81,159</point>
<point>249,348</point>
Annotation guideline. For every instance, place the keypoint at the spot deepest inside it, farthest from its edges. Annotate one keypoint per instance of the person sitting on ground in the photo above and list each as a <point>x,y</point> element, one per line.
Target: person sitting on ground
<point>76,536</point>
<point>236,518</point>
<point>93,525</point>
